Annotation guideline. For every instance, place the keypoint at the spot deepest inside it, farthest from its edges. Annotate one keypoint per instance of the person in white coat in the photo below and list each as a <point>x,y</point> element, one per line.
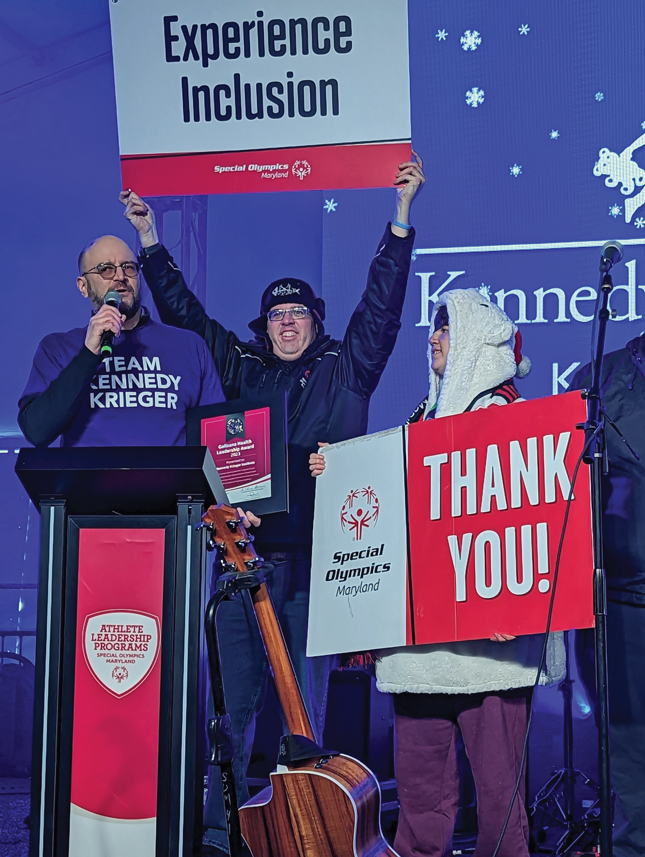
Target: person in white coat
<point>479,689</point>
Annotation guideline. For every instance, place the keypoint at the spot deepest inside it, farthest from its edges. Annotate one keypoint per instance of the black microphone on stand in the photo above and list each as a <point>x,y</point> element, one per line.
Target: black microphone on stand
<point>112,298</point>
<point>612,253</point>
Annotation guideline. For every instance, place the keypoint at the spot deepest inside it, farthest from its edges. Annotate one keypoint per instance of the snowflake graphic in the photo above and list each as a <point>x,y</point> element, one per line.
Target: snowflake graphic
<point>330,205</point>
<point>523,30</point>
<point>484,290</point>
<point>475,97</point>
<point>470,40</point>
<point>515,170</point>
<point>554,135</point>
<point>639,223</point>
<point>441,35</point>
<point>643,125</point>
<point>600,96</point>
<point>615,210</point>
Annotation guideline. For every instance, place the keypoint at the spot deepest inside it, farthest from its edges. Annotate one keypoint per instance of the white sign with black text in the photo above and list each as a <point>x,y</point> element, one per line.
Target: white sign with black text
<point>220,97</point>
<point>360,547</point>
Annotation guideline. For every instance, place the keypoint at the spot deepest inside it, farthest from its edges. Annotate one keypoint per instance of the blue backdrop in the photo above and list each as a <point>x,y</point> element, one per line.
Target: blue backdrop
<point>511,106</point>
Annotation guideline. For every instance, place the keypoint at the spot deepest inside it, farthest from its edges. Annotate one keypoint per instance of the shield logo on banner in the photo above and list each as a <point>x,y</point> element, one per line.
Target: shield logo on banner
<point>121,648</point>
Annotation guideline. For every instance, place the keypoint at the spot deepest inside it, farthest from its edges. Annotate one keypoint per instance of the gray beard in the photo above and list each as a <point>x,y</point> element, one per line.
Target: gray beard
<point>126,310</point>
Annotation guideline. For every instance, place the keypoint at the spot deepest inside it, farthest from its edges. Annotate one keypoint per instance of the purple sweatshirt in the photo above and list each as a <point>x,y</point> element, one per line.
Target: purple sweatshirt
<point>137,397</point>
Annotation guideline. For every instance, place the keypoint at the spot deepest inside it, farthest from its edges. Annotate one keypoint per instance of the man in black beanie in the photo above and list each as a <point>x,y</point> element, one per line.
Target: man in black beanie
<point>328,384</point>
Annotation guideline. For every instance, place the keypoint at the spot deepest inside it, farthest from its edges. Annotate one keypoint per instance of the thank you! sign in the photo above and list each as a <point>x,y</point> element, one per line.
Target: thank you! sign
<point>217,97</point>
<point>487,493</point>
<point>490,491</point>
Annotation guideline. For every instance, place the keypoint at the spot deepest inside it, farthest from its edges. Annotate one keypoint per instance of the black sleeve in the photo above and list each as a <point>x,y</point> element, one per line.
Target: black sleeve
<point>179,307</point>
<point>371,334</point>
<point>44,416</point>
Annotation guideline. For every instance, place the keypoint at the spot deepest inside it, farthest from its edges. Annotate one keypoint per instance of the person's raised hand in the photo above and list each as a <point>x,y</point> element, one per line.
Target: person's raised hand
<point>501,638</point>
<point>107,318</point>
<point>408,180</point>
<point>141,216</point>
<point>317,461</point>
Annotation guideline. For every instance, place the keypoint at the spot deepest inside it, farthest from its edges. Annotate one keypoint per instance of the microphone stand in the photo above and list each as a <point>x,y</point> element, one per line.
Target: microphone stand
<point>596,457</point>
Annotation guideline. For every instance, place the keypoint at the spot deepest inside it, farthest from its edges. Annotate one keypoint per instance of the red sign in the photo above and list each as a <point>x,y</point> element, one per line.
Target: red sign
<point>487,493</point>
<point>117,681</point>
<point>241,447</point>
<point>307,168</point>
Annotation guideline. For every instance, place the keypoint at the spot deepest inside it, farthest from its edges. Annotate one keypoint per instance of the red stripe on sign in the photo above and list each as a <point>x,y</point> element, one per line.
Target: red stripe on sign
<point>118,671</point>
<point>309,168</point>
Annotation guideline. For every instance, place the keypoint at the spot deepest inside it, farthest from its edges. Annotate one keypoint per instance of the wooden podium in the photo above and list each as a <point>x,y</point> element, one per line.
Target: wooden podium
<point>118,734</point>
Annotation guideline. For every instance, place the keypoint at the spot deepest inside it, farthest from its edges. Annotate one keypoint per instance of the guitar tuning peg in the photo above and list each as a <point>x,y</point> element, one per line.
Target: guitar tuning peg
<point>204,526</point>
<point>242,544</point>
<point>232,525</point>
<point>212,545</point>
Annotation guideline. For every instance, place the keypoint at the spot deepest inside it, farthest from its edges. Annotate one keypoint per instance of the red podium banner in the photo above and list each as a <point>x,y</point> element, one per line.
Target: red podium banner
<point>487,495</point>
<point>117,690</point>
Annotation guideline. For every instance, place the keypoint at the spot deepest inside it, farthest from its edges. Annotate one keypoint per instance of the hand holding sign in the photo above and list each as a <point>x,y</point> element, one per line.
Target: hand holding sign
<point>409,180</point>
<point>141,216</point>
<point>317,461</point>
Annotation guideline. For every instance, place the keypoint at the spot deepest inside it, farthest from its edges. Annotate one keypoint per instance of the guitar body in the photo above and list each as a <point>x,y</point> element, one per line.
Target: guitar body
<point>327,808</point>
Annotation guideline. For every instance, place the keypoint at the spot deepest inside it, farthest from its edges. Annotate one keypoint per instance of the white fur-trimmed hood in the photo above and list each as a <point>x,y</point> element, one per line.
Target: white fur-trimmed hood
<point>481,354</point>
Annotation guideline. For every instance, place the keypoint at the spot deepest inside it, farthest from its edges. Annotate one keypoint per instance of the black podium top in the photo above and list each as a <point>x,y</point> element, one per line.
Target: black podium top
<point>128,480</point>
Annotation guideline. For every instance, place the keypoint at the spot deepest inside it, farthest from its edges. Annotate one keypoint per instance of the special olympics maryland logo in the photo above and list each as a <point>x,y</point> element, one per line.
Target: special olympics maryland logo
<point>359,512</point>
<point>120,674</point>
<point>301,169</point>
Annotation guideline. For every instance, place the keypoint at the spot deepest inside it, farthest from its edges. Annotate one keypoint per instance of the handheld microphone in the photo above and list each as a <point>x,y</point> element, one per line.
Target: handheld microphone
<point>114,299</point>
<point>612,253</point>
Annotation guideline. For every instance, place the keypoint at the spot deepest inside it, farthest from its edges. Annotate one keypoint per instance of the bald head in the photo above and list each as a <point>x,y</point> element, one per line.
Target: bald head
<point>109,250</point>
<point>106,243</point>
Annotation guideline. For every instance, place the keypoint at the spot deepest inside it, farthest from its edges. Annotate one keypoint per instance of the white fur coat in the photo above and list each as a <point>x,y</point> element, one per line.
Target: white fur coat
<point>480,357</point>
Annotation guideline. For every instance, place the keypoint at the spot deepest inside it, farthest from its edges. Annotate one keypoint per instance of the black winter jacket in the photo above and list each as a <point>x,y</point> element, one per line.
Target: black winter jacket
<point>623,490</point>
<point>328,388</point>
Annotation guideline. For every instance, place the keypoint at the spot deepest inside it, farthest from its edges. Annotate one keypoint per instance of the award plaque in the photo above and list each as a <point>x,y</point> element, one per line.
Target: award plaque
<point>248,441</point>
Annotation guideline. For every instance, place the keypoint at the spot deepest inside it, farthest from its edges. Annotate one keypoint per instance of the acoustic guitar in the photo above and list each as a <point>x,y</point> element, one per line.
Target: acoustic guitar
<point>327,804</point>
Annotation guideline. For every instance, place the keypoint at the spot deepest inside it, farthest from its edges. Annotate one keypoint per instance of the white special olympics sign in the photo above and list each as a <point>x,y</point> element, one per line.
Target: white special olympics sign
<point>358,594</point>
<point>217,97</point>
<point>121,648</point>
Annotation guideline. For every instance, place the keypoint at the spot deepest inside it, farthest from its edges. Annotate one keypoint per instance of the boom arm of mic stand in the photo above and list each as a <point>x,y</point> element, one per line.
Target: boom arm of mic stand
<point>595,440</point>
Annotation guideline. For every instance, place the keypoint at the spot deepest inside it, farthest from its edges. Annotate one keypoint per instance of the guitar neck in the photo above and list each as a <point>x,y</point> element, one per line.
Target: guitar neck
<point>238,552</point>
<point>287,688</point>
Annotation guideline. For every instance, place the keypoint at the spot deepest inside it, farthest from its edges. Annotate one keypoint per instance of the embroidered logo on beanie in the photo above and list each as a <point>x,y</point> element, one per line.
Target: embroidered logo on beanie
<point>287,289</point>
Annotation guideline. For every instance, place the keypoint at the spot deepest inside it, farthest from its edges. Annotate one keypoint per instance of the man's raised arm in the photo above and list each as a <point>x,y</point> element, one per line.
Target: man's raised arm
<point>176,304</point>
<point>375,323</point>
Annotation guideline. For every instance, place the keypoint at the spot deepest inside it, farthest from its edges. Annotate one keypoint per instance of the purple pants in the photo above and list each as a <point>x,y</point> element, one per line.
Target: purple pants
<point>493,727</point>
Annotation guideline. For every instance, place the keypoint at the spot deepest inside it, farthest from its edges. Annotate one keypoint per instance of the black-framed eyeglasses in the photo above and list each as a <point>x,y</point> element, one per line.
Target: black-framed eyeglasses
<point>108,271</point>
<point>298,312</point>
